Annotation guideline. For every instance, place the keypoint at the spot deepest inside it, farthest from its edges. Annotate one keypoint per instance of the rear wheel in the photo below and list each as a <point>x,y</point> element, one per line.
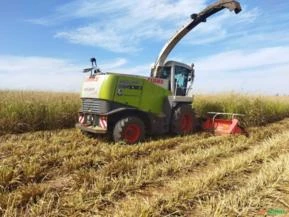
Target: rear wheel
<point>130,130</point>
<point>183,120</point>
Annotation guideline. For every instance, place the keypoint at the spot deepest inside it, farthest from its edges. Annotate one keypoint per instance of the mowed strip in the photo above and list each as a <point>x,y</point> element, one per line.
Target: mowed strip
<point>39,156</point>
<point>130,176</point>
<point>247,200</point>
<point>184,160</point>
<point>181,195</point>
<point>97,175</point>
<point>32,163</point>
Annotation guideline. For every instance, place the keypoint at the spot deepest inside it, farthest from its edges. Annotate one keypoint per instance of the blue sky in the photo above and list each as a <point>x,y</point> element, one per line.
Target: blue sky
<point>45,44</point>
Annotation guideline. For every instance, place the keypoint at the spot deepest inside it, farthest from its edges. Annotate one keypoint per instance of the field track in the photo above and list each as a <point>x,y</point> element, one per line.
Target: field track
<point>63,173</point>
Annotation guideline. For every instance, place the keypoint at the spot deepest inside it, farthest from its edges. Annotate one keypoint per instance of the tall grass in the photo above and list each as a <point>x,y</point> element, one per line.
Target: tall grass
<point>22,111</point>
<point>258,110</point>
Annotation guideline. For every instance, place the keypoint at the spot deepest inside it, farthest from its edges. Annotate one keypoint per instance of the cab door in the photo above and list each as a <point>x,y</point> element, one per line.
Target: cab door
<point>180,79</point>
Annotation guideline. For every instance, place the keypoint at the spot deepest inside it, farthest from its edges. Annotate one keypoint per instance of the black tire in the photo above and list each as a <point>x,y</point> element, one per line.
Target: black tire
<point>183,120</point>
<point>130,130</point>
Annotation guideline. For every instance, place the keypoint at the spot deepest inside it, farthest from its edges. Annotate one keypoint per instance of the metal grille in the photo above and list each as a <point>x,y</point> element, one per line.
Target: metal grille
<point>93,105</point>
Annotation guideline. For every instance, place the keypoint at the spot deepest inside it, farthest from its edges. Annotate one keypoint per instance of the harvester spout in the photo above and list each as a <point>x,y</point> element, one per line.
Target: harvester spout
<point>231,5</point>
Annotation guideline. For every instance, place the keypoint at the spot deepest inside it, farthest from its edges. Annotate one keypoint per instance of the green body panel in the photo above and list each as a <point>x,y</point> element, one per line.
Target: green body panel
<point>107,89</point>
<point>133,91</point>
<point>129,91</point>
<point>153,97</point>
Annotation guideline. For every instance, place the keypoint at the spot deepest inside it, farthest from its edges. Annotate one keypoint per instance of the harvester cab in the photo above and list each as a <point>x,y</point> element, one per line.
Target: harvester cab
<point>129,107</point>
<point>180,77</point>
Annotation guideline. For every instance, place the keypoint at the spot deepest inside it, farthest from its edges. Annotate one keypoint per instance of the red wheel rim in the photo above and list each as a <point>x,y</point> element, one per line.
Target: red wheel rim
<point>132,133</point>
<point>186,123</point>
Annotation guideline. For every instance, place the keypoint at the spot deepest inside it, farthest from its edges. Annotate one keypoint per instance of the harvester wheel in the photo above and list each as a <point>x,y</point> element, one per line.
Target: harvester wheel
<point>130,130</point>
<point>183,120</point>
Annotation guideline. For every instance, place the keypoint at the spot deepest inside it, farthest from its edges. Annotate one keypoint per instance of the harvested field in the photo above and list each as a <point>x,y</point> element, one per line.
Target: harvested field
<point>63,173</point>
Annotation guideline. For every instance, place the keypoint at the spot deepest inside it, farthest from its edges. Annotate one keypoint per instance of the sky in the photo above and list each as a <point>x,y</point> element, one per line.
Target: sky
<point>44,45</point>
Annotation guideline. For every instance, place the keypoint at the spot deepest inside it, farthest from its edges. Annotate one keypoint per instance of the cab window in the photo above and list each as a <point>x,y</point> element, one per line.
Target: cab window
<point>181,80</point>
<point>165,72</point>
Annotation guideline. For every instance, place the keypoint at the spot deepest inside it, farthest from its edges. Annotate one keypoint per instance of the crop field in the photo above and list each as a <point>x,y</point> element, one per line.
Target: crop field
<point>25,111</point>
<point>46,170</point>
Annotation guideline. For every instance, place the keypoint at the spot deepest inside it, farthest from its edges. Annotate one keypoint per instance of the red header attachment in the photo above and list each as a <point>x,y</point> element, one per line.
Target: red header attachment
<point>219,125</point>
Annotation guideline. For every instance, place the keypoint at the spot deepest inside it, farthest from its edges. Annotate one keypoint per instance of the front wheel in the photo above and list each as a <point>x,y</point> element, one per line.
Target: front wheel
<point>183,120</point>
<point>130,130</point>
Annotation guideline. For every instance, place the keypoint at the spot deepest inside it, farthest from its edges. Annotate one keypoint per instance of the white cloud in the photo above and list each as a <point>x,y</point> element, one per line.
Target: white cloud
<point>118,8</point>
<point>260,71</point>
<point>121,26</point>
<point>272,80</point>
<point>39,73</point>
<point>33,64</point>
<point>143,70</point>
<point>260,38</point>
<point>127,23</point>
<point>237,60</point>
<point>42,73</point>
<point>93,35</point>
<point>114,64</point>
